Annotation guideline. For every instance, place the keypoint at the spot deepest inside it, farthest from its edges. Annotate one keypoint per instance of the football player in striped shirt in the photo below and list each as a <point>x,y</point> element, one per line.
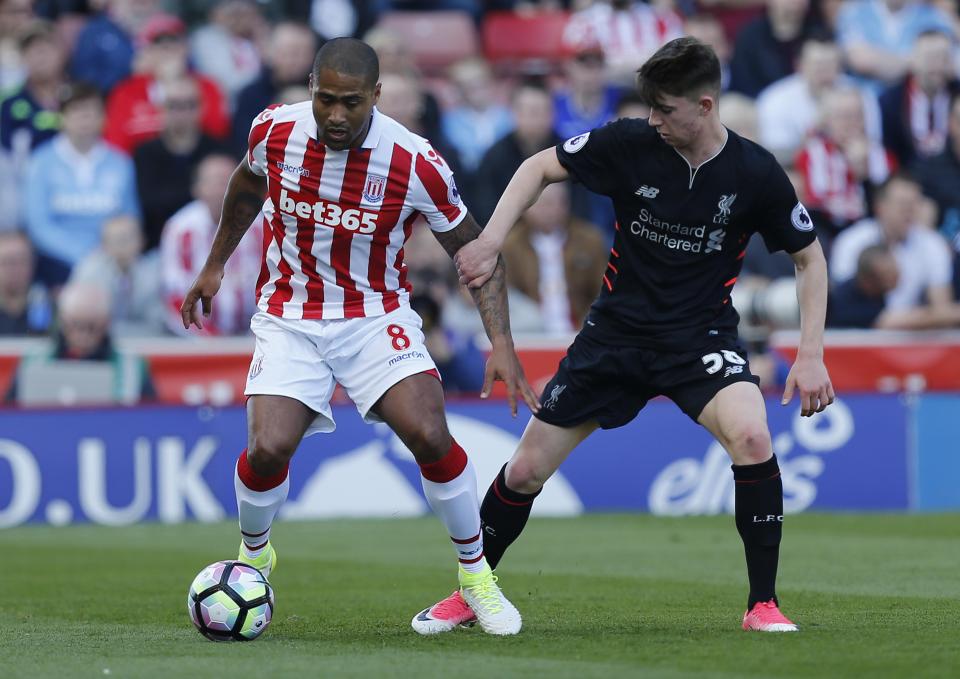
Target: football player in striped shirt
<point>338,186</point>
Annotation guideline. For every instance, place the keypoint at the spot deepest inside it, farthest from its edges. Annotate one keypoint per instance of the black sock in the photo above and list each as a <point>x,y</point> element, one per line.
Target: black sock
<point>503,515</point>
<point>759,515</point>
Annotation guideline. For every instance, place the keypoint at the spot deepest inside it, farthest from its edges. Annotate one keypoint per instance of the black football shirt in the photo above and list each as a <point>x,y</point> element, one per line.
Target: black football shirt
<point>681,232</point>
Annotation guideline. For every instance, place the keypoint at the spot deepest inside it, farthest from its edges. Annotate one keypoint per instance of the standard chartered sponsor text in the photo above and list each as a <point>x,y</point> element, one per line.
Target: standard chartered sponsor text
<point>674,236</point>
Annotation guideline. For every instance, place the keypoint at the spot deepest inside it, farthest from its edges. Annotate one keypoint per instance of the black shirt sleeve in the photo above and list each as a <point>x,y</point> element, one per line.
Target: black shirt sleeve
<point>593,158</point>
<point>782,219</point>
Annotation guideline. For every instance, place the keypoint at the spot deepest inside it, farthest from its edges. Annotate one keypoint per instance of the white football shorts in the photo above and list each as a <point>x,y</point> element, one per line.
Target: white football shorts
<point>305,359</point>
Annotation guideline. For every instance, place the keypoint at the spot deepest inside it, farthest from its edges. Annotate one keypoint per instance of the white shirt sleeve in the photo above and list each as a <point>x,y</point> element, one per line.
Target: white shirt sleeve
<point>257,141</point>
<point>937,260</point>
<point>775,122</point>
<point>847,248</point>
<point>433,191</point>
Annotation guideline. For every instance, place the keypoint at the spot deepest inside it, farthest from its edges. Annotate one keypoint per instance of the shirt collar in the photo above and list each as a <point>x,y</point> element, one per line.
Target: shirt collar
<point>374,131</point>
<point>69,152</point>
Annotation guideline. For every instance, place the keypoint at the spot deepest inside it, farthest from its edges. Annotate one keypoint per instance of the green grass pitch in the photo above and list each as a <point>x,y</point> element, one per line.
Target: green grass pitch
<point>602,596</point>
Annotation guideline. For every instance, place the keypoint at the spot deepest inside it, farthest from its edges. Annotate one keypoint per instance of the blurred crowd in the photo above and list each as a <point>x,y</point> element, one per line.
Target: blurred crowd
<point>122,120</point>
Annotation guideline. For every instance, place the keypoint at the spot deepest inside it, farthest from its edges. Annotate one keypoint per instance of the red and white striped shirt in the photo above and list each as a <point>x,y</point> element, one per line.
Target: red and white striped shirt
<point>335,222</point>
<point>829,184</point>
<point>627,36</point>
<point>186,239</point>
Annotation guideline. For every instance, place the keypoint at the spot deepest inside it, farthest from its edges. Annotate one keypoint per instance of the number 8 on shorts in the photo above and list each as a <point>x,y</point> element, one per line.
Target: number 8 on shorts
<point>399,339</point>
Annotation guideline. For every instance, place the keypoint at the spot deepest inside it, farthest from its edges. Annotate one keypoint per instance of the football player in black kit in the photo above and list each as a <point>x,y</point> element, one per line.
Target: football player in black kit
<point>688,194</point>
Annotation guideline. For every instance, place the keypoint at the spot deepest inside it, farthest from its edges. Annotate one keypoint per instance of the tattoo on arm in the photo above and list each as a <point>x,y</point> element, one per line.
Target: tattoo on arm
<point>241,204</point>
<point>456,238</point>
<point>491,297</point>
<point>491,301</point>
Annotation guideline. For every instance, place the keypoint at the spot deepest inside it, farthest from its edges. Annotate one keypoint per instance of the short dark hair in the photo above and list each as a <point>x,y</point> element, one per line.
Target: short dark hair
<point>881,191</point>
<point>16,233</point>
<point>867,261</point>
<point>820,35</point>
<point>682,68</point>
<point>935,32</point>
<point>350,57</point>
<point>37,29</point>
<point>76,92</point>
<point>532,82</point>
<point>629,99</point>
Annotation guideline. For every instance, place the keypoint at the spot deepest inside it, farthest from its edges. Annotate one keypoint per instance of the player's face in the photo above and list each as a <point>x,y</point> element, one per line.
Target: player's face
<point>679,120</point>
<point>83,121</point>
<point>341,106</point>
<point>16,264</point>
<point>932,62</point>
<point>897,208</point>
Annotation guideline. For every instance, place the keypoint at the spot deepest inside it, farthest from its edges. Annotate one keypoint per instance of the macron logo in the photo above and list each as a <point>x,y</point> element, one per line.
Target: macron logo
<point>294,169</point>
<point>647,191</point>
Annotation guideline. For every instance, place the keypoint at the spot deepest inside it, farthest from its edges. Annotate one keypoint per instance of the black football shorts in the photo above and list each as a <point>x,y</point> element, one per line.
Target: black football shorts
<point>611,384</point>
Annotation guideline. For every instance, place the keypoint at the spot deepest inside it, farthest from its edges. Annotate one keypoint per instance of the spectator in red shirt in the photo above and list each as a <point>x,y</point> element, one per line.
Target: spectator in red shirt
<point>133,109</point>
<point>184,245</point>
<point>839,164</point>
<point>628,31</point>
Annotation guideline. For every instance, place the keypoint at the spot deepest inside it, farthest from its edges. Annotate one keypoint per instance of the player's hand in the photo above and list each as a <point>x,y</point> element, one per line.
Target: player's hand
<point>504,365</point>
<point>203,289</point>
<point>476,261</point>
<point>809,376</point>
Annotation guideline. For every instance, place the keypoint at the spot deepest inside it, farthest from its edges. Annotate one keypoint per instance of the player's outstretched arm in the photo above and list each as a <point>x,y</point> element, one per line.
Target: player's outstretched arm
<point>241,204</point>
<point>809,374</point>
<point>477,260</point>
<point>491,301</point>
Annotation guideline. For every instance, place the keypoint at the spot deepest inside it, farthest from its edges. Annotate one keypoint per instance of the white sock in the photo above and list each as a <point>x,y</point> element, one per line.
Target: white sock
<point>456,503</point>
<point>257,510</point>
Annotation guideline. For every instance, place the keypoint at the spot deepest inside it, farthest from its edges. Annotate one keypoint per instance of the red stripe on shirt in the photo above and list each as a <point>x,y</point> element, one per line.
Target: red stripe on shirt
<point>258,132</point>
<point>398,262</point>
<point>398,183</point>
<point>186,251</point>
<point>264,269</point>
<point>306,228</point>
<point>276,151</point>
<point>354,176</point>
<point>436,188</point>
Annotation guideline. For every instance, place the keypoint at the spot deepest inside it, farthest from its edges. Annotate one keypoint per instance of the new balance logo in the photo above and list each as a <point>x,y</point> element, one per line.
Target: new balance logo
<point>733,370</point>
<point>767,518</point>
<point>647,191</point>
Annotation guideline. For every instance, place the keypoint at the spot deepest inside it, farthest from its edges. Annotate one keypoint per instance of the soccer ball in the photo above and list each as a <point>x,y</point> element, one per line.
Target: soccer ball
<point>230,601</point>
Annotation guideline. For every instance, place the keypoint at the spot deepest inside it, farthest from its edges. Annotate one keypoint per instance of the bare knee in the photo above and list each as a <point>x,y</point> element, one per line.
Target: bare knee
<point>525,476</point>
<point>269,453</point>
<point>429,441</point>
<point>750,444</point>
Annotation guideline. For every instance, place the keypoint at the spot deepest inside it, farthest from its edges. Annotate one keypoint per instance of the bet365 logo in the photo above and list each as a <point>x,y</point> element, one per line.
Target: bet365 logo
<point>329,214</point>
